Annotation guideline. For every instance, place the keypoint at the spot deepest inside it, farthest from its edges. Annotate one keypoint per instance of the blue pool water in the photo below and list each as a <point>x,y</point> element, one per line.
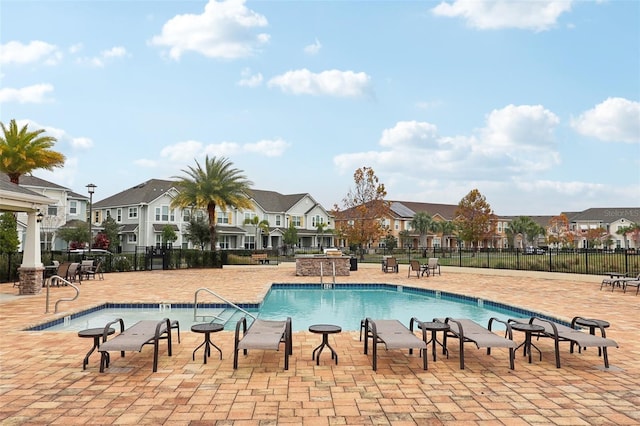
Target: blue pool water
<point>307,304</point>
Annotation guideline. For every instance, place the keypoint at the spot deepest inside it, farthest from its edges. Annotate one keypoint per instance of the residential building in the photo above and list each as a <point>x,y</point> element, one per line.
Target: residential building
<point>66,206</point>
<point>145,209</point>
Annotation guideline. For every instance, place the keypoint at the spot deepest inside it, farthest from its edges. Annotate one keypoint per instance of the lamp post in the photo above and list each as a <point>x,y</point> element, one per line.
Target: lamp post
<point>91,188</point>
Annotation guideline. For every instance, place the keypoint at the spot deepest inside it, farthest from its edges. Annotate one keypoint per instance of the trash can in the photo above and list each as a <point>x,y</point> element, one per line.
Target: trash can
<point>354,263</point>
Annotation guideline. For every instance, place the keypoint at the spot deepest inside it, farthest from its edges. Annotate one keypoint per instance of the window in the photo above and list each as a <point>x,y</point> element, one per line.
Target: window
<point>223,217</point>
<point>225,242</point>
<point>73,208</point>
<point>186,215</point>
<point>396,224</point>
<point>278,220</point>
<point>436,242</point>
<point>132,238</point>
<point>316,220</point>
<point>296,220</point>
<point>158,240</point>
<point>163,214</point>
<point>249,242</point>
<point>133,212</point>
<point>249,216</point>
<point>96,217</point>
<point>52,211</point>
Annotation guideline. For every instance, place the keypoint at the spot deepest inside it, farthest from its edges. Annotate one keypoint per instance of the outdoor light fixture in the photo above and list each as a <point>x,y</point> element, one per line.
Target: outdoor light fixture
<point>39,217</point>
<point>91,188</point>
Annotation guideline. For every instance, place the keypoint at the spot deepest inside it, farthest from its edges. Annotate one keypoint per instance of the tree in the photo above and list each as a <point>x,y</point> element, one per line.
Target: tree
<point>290,237</point>
<point>448,229</point>
<point>390,242</point>
<point>423,223</point>
<point>101,241</point>
<point>168,235</point>
<point>111,229</point>
<point>632,231</point>
<point>198,232</point>
<point>320,227</point>
<point>474,218</point>
<point>23,151</point>
<point>360,222</point>
<point>525,227</point>
<point>75,233</point>
<point>216,184</point>
<point>260,225</point>
<point>9,240</point>
<point>558,231</point>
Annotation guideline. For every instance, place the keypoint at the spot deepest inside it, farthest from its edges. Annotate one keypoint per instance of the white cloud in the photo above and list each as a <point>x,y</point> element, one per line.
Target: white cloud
<point>614,120</point>
<point>250,80</point>
<point>81,143</point>
<point>182,151</point>
<point>36,94</point>
<point>536,15</point>
<point>224,30</point>
<point>516,141</point>
<point>313,49</point>
<point>331,83</point>
<point>269,148</point>
<point>14,52</point>
<point>145,163</point>
<point>104,57</point>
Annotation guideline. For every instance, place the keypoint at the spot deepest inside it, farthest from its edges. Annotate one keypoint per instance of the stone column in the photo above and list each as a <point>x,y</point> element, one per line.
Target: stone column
<point>31,270</point>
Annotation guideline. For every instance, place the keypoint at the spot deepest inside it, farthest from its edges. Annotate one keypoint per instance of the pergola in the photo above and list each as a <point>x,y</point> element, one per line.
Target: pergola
<point>14,198</point>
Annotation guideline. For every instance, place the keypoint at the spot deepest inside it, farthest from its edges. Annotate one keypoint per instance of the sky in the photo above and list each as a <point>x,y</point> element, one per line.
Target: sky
<point>534,103</point>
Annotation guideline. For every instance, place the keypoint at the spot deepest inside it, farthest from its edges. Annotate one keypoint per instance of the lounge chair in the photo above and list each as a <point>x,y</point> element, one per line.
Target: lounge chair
<point>562,333</point>
<point>466,330</point>
<point>390,264</point>
<point>632,283</point>
<point>414,266</point>
<point>433,265</point>
<point>263,335</point>
<point>147,332</point>
<point>617,281</point>
<point>394,335</point>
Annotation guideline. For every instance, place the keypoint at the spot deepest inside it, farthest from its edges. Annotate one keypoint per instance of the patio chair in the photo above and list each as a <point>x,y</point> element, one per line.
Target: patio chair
<point>263,335</point>
<point>562,333</point>
<point>390,264</point>
<point>433,265</point>
<point>394,335</point>
<point>469,331</point>
<point>62,272</point>
<point>74,273</point>
<point>414,266</point>
<point>94,271</point>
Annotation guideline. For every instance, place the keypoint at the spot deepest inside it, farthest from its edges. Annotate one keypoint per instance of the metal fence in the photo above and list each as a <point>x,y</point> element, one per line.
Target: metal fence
<point>591,262</point>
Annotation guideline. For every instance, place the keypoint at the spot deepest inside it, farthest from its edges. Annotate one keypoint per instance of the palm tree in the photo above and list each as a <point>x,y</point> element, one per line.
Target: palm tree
<point>447,228</point>
<point>423,223</point>
<point>261,225</point>
<point>216,184</point>
<point>23,151</point>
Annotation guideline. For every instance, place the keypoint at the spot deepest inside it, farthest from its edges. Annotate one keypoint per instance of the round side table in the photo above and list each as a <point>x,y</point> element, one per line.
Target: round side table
<point>528,330</point>
<point>96,334</point>
<point>325,330</point>
<point>434,327</point>
<point>206,329</point>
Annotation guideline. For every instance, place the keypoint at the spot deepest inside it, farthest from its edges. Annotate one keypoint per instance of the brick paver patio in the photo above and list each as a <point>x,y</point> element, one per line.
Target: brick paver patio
<point>42,381</point>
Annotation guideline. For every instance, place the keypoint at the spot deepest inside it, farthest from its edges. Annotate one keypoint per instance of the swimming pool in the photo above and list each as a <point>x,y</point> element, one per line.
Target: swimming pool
<point>341,304</point>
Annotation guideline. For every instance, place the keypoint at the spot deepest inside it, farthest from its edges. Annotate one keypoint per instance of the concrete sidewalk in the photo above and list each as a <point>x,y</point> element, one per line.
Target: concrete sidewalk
<point>42,381</point>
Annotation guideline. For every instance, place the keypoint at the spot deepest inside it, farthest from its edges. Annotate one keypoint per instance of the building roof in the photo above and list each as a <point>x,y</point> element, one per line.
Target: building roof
<point>607,214</point>
<point>446,211</point>
<point>16,198</point>
<point>274,202</point>
<point>143,193</point>
<point>30,180</point>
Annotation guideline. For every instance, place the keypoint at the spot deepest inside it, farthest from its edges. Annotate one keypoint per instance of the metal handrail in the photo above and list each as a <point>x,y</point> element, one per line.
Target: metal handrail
<point>63,299</point>
<point>195,302</point>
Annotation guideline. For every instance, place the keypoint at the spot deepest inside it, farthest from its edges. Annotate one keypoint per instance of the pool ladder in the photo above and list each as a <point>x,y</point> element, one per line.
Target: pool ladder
<point>328,285</point>
<point>216,317</point>
<point>64,299</point>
